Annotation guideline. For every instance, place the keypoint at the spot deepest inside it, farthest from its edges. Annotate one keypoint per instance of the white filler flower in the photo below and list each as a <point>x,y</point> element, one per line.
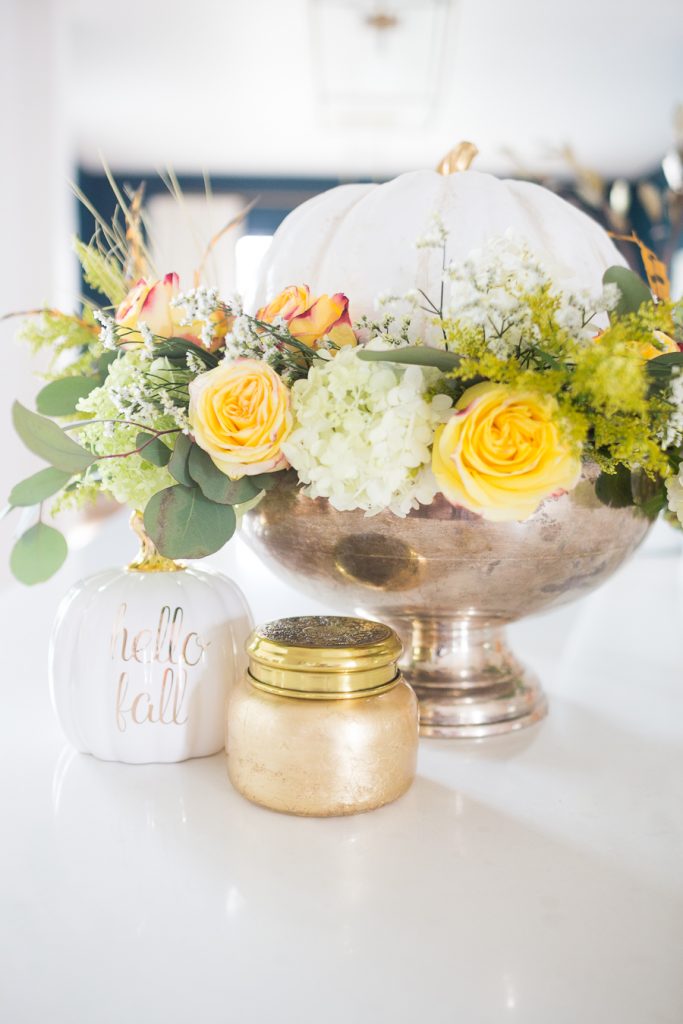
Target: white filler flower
<point>363,434</point>
<point>674,491</point>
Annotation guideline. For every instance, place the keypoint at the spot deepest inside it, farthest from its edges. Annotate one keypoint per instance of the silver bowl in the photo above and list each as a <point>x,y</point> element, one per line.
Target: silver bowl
<point>448,581</point>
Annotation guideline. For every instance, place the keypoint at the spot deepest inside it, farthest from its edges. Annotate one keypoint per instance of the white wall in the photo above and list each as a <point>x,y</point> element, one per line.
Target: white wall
<point>35,206</point>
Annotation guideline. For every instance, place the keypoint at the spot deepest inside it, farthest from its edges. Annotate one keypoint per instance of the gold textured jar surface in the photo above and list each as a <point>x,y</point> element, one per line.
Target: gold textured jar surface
<point>323,724</point>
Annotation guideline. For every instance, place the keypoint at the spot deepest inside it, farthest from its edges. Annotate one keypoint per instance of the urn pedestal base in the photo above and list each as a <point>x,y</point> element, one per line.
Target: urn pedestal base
<point>449,582</point>
<point>468,682</point>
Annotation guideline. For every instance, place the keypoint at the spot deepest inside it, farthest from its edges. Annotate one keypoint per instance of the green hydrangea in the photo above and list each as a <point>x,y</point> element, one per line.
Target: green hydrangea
<point>130,480</point>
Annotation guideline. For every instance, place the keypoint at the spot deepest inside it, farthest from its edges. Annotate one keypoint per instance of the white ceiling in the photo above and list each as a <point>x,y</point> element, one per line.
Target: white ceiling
<point>243,86</point>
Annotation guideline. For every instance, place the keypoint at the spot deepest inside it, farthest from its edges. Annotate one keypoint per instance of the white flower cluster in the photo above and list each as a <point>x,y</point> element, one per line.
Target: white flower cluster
<point>147,337</point>
<point>198,305</point>
<point>489,290</point>
<point>435,236</point>
<point>363,433</point>
<point>674,428</point>
<point>392,329</point>
<point>141,395</point>
<point>107,333</point>
<point>674,490</point>
<point>579,309</point>
<point>245,342</point>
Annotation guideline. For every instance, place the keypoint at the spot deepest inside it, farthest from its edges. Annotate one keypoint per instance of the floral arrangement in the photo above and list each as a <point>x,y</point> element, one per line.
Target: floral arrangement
<point>186,407</point>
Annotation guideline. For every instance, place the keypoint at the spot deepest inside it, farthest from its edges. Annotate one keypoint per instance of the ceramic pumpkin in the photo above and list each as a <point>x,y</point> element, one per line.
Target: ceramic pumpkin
<point>141,660</point>
<point>362,237</point>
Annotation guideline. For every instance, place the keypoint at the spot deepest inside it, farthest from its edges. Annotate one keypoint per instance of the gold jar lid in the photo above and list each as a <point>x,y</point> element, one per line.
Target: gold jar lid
<point>324,657</point>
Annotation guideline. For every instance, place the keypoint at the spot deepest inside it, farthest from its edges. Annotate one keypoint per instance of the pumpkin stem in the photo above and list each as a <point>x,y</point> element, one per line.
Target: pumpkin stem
<point>148,559</point>
<point>458,159</point>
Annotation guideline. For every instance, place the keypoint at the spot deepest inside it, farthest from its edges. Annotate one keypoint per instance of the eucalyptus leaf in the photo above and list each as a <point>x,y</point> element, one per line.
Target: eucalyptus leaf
<point>183,523</point>
<point>38,554</point>
<point>45,439</point>
<point>615,489</point>
<point>216,485</point>
<point>61,397</point>
<point>177,465</point>
<point>265,481</point>
<point>38,487</point>
<point>633,290</point>
<point>413,355</point>
<point>660,368</point>
<point>154,451</point>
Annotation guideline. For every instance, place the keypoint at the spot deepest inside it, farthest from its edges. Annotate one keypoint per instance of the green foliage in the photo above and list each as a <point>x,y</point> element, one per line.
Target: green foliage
<point>43,484</point>
<point>45,439</point>
<point>178,463</point>
<point>73,342</point>
<point>414,355</point>
<point>265,481</point>
<point>154,450</point>
<point>176,350</point>
<point>659,370</point>
<point>38,554</point>
<point>633,291</point>
<point>101,271</point>
<point>216,485</point>
<point>61,397</point>
<point>183,523</point>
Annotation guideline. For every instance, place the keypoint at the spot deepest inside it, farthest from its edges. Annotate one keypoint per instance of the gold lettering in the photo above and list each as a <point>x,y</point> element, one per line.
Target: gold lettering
<point>193,638</point>
<point>179,697</point>
<point>162,629</point>
<point>119,631</point>
<point>141,642</point>
<point>167,645</point>
<point>147,712</point>
<point>121,690</point>
<point>175,635</point>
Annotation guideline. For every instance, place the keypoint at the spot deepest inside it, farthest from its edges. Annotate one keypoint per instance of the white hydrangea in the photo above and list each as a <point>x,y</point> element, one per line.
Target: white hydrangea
<point>674,489</point>
<point>363,433</point>
<point>674,429</point>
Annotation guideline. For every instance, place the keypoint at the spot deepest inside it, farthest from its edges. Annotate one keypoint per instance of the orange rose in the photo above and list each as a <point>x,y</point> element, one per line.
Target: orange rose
<point>309,320</point>
<point>327,317</point>
<point>293,300</point>
<point>150,302</point>
<point>660,345</point>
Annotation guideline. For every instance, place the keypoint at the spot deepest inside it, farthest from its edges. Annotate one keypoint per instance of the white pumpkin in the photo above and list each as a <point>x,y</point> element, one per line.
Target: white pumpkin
<point>140,663</point>
<point>360,239</point>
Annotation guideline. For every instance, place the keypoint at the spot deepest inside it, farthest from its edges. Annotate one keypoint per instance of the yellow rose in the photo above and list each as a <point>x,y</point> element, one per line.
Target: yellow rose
<point>309,320</point>
<point>240,414</point>
<point>501,453</point>
<point>150,302</point>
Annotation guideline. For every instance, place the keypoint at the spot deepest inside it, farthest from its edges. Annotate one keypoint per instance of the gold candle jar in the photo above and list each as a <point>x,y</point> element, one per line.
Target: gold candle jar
<point>324,723</point>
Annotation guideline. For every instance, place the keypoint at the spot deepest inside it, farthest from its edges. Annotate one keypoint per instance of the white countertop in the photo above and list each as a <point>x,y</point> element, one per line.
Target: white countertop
<point>535,878</point>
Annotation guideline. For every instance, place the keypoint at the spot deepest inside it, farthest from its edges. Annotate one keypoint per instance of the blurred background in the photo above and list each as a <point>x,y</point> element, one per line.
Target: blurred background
<point>276,100</point>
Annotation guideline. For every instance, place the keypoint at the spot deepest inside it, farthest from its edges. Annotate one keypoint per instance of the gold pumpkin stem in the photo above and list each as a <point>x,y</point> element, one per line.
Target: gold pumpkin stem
<point>458,159</point>
<point>148,558</point>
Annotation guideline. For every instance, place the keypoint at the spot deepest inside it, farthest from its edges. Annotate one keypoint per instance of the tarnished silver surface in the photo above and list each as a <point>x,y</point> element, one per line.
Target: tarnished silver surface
<point>448,581</point>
